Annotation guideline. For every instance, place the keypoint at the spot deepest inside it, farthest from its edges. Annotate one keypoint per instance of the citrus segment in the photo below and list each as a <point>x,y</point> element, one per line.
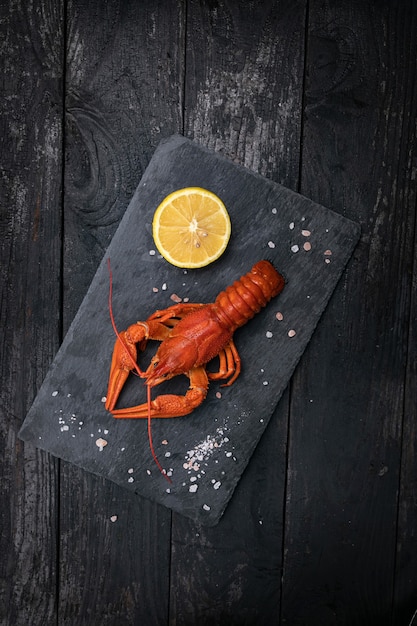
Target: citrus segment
<point>191,227</point>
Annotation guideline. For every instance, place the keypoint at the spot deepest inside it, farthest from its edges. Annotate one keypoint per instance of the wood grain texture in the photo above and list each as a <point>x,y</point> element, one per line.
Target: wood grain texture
<point>404,108</point>
<point>244,82</point>
<point>345,447</point>
<point>123,95</point>
<point>124,90</point>
<point>238,102</point>
<point>30,194</point>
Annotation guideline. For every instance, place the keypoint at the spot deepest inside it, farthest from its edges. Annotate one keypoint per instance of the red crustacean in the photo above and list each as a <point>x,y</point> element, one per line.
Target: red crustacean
<point>191,335</point>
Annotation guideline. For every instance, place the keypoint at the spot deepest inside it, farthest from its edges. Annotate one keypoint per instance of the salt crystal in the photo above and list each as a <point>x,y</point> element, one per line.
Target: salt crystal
<point>131,479</point>
<point>291,333</point>
<point>193,488</point>
<point>152,252</point>
<point>279,316</point>
<point>64,428</point>
<point>155,289</point>
<point>305,233</point>
<point>291,226</point>
<point>265,382</point>
<point>294,248</point>
<point>328,252</point>
<point>206,507</point>
<point>218,395</point>
<point>268,334</point>
<point>164,442</point>
<point>176,298</point>
<point>101,443</point>
<point>164,286</point>
<point>307,246</point>
<point>217,484</point>
<point>113,518</point>
<point>274,211</point>
<point>54,393</point>
<point>271,244</point>
<point>327,261</point>
<point>130,470</point>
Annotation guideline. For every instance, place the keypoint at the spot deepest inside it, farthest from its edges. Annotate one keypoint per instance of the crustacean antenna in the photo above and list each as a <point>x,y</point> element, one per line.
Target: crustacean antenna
<point>138,371</point>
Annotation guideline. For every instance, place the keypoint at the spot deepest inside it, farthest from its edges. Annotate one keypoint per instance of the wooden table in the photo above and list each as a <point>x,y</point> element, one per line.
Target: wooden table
<point>321,97</point>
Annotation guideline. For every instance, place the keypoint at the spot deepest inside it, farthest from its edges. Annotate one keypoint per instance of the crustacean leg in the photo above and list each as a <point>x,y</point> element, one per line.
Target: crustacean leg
<point>229,365</point>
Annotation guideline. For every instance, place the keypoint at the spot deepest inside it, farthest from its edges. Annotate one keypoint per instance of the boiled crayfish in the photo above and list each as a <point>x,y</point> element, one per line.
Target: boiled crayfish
<point>191,336</point>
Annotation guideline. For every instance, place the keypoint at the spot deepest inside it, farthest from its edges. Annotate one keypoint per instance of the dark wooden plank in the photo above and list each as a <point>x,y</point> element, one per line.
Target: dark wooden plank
<point>348,395</point>
<point>124,89</point>
<point>405,110</point>
<point>243,95</point>
<point>30,219</point>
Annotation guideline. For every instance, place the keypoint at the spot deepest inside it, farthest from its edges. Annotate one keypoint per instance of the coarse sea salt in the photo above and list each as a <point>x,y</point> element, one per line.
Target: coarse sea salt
<point>101,443</point>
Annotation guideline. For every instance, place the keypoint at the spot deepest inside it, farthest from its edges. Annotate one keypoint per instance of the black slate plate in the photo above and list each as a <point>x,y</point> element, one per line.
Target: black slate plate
<point>206,452</point>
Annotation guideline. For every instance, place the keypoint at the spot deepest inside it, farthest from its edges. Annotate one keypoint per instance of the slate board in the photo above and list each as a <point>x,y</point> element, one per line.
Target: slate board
<point>206,452</point>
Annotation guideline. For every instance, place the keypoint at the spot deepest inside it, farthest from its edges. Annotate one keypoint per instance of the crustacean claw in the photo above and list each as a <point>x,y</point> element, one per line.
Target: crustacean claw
<point>124,360</point>
<point>170,405</point>
<point>158,327</point>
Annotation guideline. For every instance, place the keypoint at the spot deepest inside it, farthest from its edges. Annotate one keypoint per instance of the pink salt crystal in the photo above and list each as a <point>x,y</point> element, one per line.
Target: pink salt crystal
<point>307,246</point>
<point>279,316</point>
<point>176,298</point>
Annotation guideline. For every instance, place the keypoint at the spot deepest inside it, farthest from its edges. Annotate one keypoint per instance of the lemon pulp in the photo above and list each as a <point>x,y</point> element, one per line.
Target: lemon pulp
<point>191,227</point>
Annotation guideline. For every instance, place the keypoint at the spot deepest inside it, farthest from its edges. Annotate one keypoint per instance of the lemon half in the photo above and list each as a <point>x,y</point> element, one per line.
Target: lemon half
<point>191,227</point>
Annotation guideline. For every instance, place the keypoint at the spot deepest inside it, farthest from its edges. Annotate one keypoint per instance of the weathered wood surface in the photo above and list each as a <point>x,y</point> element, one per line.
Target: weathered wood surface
<point>319,96</point>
